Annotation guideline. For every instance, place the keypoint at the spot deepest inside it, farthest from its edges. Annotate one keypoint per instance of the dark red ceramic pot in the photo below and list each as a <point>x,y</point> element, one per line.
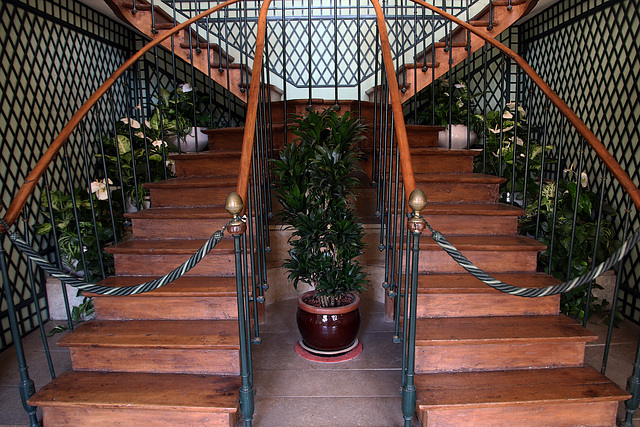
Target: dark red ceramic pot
<point>328,329</point>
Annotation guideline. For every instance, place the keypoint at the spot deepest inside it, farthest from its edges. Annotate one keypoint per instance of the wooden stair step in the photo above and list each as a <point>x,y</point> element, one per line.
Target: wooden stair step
<point>96,399</point>
<point>560,397</point>
<point>178,223</point>
<point>159,257</point>
<point>462,295</point>
<point>191,192</point>
<point>459,344</point>
<point>472,218</point>
<point>483,22</point>
<point>230,138</point>
<point>208,347</point>
<point>442,160</point>
<point>493,254</point>
<point>186,298</point>
<point>459,187</point>
<point>440,45</point>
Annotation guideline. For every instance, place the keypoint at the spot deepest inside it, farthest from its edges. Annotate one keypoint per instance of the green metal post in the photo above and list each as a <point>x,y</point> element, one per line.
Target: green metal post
<point>237,228</point>
<point>27,387</point>
<point>417,201</point>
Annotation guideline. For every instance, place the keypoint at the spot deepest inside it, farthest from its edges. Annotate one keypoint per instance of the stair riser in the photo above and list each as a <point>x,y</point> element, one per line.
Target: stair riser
<point>442,164</point>
<point>460,192</point>
<point>211,265</point>
<point>165,308</point>
<point>100,417</point>
<point>177,228</point>
<point>191,197</point>
<point>566,414</point>
<point>206,167</point>
<point>493,304</point>
<point>451,225</point>
<point>490,261</point>
<point>231,138</point>
<point>154,360</point>
<point>490,357</point>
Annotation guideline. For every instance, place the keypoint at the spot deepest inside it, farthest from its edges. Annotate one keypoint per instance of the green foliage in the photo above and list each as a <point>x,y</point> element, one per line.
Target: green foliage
<point>507,141</point>
<point>585,204</point>
<point>100,235</point>
<point>136,144</point>
<point>314,183</point>
<point>181,110</point>
<point>463,105</point>
<point>79,313</point>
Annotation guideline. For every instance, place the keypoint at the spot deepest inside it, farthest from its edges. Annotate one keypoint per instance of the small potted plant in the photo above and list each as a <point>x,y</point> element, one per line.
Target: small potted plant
<point>184,118</point>
<point>454,111</point>
<point>315,184</point>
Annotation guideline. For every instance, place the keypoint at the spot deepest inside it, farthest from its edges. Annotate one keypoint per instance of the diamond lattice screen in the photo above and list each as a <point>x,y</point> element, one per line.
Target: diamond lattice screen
<point>587,51</point>
<point>54,55</point>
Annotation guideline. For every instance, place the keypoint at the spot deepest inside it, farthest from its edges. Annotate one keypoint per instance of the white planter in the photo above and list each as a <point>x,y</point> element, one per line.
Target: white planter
<point>458,137</point>
<point>55,299</point>
<point>188,144</point>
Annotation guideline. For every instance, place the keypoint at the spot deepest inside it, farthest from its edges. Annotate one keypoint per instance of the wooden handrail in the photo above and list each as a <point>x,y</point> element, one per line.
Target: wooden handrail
<point>18,202</point>
<point>252,107</point>
<point>408,177</point>
<point>611,163</point>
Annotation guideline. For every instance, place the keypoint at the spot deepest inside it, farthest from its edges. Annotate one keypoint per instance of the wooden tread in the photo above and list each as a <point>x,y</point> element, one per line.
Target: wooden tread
<point>179,222</point>
<point>493,254</point>
<point>159,257</point>
<point>191,192</point>
<point>525,329</point>
<point>198,182</point>
<point>462,295</point>
<point>185,334</point>
<point>105,399</point>
<point>529,398</point>
<point>459,187</point>
<point>209,347</point>
<point>186,298</point>
<point>463,344</point>
<point>442,160</point>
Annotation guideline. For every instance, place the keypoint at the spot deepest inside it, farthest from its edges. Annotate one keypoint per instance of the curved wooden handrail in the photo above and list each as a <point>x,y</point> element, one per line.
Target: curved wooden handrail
<point>611,163</point>
<point>18,202</point>
<point>252,106</point>
<point>408,177</point>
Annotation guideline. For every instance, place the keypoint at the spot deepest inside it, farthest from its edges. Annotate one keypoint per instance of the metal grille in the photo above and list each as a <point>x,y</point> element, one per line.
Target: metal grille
<point>54,56</point>
<point>406,30</point>
<point>587,51</point>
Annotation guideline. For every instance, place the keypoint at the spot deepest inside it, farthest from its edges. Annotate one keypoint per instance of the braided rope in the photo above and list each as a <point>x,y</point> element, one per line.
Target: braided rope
<point>533,292</point>
<point>194,259</point>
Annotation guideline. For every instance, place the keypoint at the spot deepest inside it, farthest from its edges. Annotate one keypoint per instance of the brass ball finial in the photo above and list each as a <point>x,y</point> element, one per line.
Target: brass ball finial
<point>417,201</point>
<point>234,204</point>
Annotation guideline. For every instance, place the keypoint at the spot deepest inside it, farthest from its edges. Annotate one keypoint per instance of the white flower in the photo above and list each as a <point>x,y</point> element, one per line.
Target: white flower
<point>159,143</point>
<point>459,85</point>
<point>186,87</point>
<point>584,179</point>
<point>139,134</point>
<point>518,141</point>
<point>133,123</point>
<point>460,104</point>
<point>171,165</point>
<point>100,188</point>
<point>147,124</point>
<point>507,115</point>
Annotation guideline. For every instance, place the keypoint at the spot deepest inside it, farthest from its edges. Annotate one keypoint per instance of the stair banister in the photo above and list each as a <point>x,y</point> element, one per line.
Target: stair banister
<point>611,163</point>
<point>19,201</point>
<point>398,117</point>
<point>252,105</point>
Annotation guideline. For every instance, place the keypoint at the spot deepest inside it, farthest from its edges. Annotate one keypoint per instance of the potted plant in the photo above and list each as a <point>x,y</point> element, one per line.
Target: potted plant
<point>454,111</point>
<point>184,118</point>
<point>315,184</point>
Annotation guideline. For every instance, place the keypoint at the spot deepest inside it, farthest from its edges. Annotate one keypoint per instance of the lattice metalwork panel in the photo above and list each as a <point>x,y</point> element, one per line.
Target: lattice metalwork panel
<point>587,51</point>
<point>53,56</point>
<point>409,27</point>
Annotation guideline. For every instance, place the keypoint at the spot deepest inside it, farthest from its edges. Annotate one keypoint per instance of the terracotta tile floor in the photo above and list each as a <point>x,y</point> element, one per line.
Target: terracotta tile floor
<point>292,391</point>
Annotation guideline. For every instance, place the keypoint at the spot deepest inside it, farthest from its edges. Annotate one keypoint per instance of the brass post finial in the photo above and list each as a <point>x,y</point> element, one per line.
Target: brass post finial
<point>234,206</point>
<point>417,202</point>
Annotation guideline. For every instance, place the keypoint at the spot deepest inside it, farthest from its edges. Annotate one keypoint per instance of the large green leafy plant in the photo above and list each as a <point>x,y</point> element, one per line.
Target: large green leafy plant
<point>315,184</point>
<point>562,259</point>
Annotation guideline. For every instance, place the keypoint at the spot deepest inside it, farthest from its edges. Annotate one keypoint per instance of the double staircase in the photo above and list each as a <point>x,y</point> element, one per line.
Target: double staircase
<point>483,358</point>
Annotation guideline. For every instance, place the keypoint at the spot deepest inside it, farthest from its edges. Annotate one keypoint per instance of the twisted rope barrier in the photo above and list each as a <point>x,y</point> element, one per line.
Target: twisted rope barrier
<point>193,260</point>
<point>532,292</point>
